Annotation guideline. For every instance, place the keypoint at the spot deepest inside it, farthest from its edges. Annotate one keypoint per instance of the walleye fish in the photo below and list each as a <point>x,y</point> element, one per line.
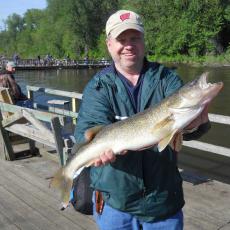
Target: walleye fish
<point>158,125</point>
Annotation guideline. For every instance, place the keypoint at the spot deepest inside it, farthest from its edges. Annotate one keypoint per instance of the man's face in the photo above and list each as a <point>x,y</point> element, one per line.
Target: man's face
<point>127,50</point>
<point>10,68</point>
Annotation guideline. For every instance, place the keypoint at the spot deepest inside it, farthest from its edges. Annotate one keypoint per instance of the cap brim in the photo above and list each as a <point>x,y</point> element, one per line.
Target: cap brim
<point>117,31</point>
<point>12,64</point>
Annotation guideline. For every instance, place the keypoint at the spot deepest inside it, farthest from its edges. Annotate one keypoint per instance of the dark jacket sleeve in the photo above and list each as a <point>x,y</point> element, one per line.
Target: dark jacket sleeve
<point>172,82</point>
<point>202,129</point>
<point>95,110</point>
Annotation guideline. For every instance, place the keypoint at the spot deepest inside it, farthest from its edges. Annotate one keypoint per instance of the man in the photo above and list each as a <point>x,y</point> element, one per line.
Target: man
<point>10,67</point>
<point>140,189</point>
<point>7,80</point>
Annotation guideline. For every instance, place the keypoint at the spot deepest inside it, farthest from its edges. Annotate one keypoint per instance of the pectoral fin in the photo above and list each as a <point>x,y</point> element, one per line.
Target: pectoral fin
<point>165,122</point>
<point>164,126</point>
<point>175,140</point>
<point>91,133</point>
<point>183,110</point>
<point>165,141</point>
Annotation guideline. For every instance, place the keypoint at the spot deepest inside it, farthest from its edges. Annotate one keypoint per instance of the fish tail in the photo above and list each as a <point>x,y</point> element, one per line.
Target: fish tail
<point>62,182</point>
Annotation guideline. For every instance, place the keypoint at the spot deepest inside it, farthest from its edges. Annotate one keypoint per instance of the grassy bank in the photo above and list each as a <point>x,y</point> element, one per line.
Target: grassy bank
<point>209,60</point>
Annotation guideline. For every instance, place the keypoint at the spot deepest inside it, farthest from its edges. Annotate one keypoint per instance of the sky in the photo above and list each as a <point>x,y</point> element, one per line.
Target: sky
<point>8,7</point>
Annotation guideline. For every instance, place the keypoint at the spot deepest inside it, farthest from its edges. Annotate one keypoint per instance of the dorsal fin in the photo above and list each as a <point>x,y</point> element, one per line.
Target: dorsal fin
<point>91,133</point>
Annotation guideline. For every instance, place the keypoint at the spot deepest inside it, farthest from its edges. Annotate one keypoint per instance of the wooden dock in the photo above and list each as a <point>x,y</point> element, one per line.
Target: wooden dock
<point>54,64</point>
<point>27,203</point>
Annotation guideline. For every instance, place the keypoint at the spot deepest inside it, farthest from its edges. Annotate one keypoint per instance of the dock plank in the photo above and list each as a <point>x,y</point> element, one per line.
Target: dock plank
<point>39,188</point>
<point>32,195</point>
<point>207,205</point>
<point>45,213</point>
<point>6,223</point>
<point>25,182</point>
<point>11,207</point>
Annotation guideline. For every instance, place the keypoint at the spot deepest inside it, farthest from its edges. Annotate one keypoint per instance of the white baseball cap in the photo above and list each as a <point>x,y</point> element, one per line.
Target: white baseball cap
<point>123,20</point>
<point>11,63</point>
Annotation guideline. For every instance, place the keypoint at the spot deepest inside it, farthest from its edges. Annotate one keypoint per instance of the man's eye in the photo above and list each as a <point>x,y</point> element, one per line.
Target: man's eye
<point>122,40</point>
<point>135,39</point>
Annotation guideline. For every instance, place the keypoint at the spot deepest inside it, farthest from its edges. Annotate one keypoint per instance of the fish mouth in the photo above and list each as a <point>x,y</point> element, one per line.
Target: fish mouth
<point>205,84</point>
<point>209,89</point>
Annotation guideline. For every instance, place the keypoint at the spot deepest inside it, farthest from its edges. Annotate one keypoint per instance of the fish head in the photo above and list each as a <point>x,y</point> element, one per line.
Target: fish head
<point>191,100</point>
<point>199,92</point>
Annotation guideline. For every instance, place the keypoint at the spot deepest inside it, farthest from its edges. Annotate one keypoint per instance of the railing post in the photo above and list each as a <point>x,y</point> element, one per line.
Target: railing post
<point>74,109</point>
<point>30,94</point>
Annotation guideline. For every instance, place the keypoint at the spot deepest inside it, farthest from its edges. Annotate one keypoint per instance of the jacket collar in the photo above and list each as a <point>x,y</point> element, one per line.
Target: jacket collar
<point>151,78</point>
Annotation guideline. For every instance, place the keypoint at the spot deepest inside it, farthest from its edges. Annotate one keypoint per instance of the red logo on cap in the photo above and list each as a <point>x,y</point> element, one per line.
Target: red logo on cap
<point>125,16</point>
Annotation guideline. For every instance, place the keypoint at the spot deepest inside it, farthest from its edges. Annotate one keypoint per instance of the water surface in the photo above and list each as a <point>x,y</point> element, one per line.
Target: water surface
<point>75,80</point>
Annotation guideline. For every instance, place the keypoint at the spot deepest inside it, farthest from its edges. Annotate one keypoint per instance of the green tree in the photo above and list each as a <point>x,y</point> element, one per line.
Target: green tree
<point>89,18</point>
<point>181,27</point>
<point>26,39</point>
<point>76,28</point>
<point>14,25</point>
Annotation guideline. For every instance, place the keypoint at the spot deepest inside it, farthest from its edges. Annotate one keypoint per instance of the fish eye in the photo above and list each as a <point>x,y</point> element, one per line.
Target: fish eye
<point>192,83</point>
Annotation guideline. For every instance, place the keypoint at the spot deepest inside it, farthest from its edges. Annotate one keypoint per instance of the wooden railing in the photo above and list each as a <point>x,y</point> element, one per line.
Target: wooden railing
<point>221,119</point>
<point>30,124</point>
<point>73,96</point>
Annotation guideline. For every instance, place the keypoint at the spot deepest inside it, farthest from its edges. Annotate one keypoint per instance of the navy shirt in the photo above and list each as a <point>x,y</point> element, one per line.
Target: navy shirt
<point>133,91</point>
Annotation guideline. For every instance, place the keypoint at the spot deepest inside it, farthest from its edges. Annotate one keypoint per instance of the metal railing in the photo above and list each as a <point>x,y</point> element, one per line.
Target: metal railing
<point>45,62</point>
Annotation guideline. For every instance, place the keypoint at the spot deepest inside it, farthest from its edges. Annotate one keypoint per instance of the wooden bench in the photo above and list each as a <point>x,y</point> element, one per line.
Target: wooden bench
<point>31,124</point>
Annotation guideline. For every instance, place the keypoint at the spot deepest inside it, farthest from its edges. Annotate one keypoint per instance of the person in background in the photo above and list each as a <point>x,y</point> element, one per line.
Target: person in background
<point>16,58</point>
<point>39,59</point>
<point>139,189</point>
<point>7,80</point>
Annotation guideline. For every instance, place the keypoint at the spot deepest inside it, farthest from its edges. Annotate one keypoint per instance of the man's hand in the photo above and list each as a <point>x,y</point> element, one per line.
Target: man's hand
<point>107,157</point>
<point>201,119</point>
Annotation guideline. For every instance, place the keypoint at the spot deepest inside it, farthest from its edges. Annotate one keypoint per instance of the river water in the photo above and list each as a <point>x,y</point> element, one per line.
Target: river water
<point>75,80</point>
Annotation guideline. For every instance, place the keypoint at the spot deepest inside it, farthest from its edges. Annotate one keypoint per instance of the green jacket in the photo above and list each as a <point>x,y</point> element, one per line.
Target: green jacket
<point>147,183</point>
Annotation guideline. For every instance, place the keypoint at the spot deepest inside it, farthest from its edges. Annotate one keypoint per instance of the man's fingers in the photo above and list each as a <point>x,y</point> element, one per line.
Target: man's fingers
<point>107,156</point>
<point>97,162</point>
<point>204,114</point>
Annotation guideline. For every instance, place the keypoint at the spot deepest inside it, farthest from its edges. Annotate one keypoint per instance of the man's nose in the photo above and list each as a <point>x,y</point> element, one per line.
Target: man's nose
<point>129,43</point>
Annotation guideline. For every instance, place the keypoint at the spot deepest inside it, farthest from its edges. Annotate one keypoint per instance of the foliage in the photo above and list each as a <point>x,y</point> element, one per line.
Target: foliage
<point>179,30</point>
<point>182,27</point>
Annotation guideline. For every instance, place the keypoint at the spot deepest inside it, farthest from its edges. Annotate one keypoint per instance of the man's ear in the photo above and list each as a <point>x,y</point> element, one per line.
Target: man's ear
<point>107,41</point>
<point>108,44</point>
